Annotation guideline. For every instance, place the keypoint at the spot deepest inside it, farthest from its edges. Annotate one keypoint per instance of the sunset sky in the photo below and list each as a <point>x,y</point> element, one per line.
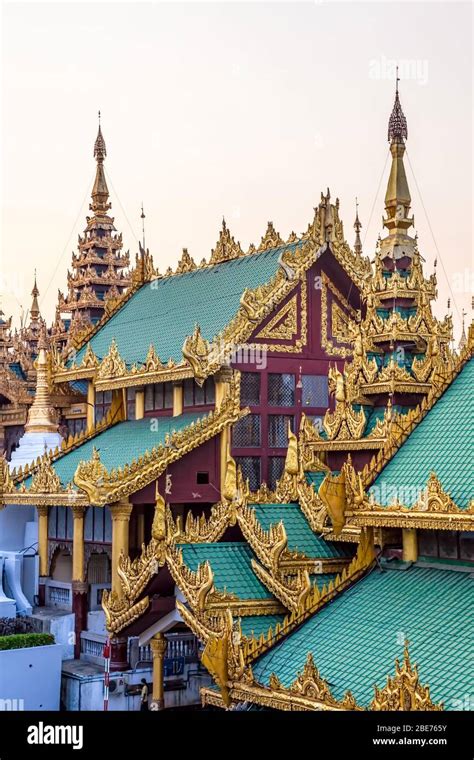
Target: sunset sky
<point>247,110</point>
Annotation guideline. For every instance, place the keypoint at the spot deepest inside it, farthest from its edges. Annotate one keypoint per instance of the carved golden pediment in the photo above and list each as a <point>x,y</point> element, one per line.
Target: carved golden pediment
<point>112,365</point>
<point>271,239</point>
<point>284,325</point>
<point>186,263</point>
<point>403,691</point>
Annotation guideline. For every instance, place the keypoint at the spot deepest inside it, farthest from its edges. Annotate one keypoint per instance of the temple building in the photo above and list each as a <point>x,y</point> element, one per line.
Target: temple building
<point>270,494</point>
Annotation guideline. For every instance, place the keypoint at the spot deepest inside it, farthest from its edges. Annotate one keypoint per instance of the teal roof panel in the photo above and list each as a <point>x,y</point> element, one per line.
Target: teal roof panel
<point>165,311</point>
<point>356,638</point>
<point>300,536</point>
<point>230,563</point>
<point>441,442</point>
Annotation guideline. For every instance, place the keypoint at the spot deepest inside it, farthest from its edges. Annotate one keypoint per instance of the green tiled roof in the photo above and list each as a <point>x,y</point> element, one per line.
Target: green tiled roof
<point>442,442</point>
<point>257,624</point>
<point>230,563</point>
<point>121,443</point>
<point>166,310</point>
<point>300,536</point>
<point>355,639</point>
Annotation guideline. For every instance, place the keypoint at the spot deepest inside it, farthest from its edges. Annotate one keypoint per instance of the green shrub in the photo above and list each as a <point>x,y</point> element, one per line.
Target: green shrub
<point>22,640</point>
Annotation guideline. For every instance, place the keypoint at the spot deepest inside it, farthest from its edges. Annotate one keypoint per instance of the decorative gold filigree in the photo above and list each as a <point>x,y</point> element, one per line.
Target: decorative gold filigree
<point>284,325</point>
<point>112,365</point>
<point>196,351</point>
<point>226,247</point>
<point>186,263</point>
<point>403,691</point>
<point>271,239</point>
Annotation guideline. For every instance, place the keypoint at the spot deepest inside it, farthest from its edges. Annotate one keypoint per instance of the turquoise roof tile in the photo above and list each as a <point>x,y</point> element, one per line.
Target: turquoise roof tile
<point>356,638</point>
<point>254,625</point>
<point>121,443</point>
<point>441,442</point>
<point>230,563</point>
<point>166,310</point>
<point>300,536</point>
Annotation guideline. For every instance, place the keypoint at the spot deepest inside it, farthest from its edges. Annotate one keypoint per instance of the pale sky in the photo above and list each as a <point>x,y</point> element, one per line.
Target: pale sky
<point>244,109</point>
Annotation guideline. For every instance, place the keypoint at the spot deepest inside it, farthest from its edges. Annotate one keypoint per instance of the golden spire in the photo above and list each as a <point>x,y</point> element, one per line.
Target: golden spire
<point>357,227</point>
<point>35,311</point>
<point>397,197</point>
<point>100,191</point>
<point>42,415</point>
<point>463,338</point>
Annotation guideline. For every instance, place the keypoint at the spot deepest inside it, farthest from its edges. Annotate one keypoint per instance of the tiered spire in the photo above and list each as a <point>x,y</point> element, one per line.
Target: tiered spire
<point>398,244</point>
<point>357,227</point>
<point>98,267</point>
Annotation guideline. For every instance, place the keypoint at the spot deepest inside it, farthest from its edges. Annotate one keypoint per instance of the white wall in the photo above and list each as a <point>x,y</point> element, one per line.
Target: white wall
<point>32,675</point>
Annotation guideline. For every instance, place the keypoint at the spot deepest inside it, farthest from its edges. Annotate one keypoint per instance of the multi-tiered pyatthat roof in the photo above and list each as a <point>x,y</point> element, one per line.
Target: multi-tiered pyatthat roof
<point>97,278</point>
<point>401,352</point>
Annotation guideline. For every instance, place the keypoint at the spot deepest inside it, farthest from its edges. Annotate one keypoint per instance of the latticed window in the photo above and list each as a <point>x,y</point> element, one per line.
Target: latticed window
<point>278,430</point>
<point>246,432</point>
<point>281,389</point>
<point>75,426</point>
<point>103,401</point>
<point>158,396</point>
<point>250,389</point>
<point>196,395</point>
<point>275,470</point>
<point>250,470</point>
<point>131,403</point>
<point>315,391</point>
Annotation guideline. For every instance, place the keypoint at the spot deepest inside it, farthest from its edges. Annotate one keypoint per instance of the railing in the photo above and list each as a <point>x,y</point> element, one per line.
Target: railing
<point>92,646</point>
<point>59,594</point>
<point>181,646</point>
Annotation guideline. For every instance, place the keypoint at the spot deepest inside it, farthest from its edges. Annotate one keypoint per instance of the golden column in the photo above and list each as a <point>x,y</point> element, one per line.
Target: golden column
<point>177,399</point>
<point>158,648</point>
<point>43,539</point>
<point>120,512</point>
<point>78,569</point>
<point>410,545</point>
<point>90,405</point>
<point>222,381</point>
<point>139,403</point>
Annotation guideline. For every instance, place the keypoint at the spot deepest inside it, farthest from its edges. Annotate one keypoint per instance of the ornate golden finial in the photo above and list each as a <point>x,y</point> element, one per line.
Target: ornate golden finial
<point>35,311</point>
<point>397,124</point>
<point>398,243</point>
<point>463,338</point>
<point>142,217</point>
<point>100,191</point>
<point>357,227</point>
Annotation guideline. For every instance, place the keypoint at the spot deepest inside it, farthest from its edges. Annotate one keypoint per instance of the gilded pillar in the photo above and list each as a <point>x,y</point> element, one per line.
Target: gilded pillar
<point>79,586</point>
<point>90,405</point>
<point>410,545</point>
<point>177,399</point>
<point>222,388</point>
<point>43,553</point>
<point>43,539</point>
<point>120,512</point>
<point>139,403</point>
<point>158,648</point>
